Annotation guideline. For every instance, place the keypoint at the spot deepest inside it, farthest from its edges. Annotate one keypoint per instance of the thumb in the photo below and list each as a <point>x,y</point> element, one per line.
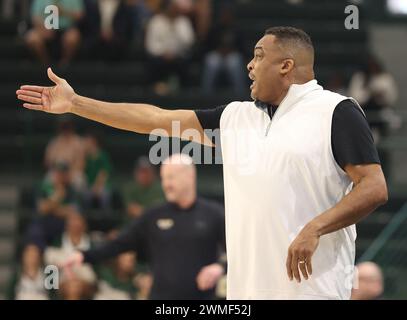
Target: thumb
<point>53,77</point>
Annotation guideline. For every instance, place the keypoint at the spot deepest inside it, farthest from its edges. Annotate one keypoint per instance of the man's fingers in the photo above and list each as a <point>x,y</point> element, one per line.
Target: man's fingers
<point>204,281</point>
<point>33,106</point>
<point>309,266</point>
<point>29,93</point>
<point>204,284</point>
<point>200,280</point>
<point>201,285</point>
<point>301,264</point>
<point>288,265</point>
<point>294,267</point>
<point>53,77</point>
<point>29,99</point>
<point>32,88</point>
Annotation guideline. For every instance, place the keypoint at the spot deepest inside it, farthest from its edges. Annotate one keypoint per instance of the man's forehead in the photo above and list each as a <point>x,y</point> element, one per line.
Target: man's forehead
<point>266,43</point>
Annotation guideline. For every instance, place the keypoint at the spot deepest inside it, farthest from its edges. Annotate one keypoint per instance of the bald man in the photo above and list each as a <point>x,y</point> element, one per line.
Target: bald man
<point>370,282</point>
<point>299,163</point>
<point>182,241</point>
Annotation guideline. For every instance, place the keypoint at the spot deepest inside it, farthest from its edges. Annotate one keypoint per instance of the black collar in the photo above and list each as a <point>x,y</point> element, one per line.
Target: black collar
<point>266,107</point>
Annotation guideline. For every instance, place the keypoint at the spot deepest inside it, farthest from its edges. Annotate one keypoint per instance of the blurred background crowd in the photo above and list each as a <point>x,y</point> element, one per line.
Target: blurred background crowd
<point>69,184</point>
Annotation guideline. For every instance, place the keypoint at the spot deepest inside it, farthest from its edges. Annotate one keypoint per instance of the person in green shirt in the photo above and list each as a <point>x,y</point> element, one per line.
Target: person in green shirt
<point>70,12</point>
<point>55,200</point>
<point>117,282</point>
<point>144,190</point>
<point>98,171</point>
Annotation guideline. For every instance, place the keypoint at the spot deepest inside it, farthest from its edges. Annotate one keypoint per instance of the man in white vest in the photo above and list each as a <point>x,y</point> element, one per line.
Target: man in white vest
<point>300,169</point>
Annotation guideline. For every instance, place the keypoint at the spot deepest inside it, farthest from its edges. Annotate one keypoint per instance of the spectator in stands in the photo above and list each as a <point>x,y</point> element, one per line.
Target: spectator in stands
<point>70,12</point>
<point>182,240</point>
<point>370,282</point>
<point>78,284</point>
<point>144,191</point>
<point>118,282</point>
<point>28,281</point>
<point>199,11</point>
<point>169,40</point>
<point>225,54</point>
<point>57,199</point>
<point>109,27</point>
<point>98,173</point>
<point>67,147</point>
<point>376,90</point>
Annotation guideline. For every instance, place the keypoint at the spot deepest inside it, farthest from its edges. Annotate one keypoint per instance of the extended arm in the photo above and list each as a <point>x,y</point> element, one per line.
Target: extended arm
<point>128,240</point>
<point>137,117</point>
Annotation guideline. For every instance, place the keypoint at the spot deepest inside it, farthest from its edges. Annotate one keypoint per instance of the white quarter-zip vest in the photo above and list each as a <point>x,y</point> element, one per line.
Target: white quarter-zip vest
<point>278,176</point>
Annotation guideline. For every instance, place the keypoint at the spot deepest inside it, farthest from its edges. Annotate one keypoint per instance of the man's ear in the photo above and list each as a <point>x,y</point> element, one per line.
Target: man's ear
<point>286,66</point>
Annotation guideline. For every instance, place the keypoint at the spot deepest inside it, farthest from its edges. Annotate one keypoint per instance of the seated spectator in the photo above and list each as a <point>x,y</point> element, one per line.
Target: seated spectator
<point>57,199</point>
<point>145,189</point>
<point>98,173</point>
<point>199,11</point>
<point>375,90</point>
<point>370,282</point>
<point>79,284</point>
<point>67,147</point>
<point>109,26</point>
<point>28,281</point>
<point>70,12</point>
<point>118,282</point>
<point>225,55</point>
<point>169,40</point>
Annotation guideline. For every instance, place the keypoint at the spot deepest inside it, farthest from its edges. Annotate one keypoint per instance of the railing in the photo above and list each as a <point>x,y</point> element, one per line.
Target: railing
<point>389,251</point>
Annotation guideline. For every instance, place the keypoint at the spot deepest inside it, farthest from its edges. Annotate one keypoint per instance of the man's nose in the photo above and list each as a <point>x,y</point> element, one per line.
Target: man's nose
<point>250,65</point>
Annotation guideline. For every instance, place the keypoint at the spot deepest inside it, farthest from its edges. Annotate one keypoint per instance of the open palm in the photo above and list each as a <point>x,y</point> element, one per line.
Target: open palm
<point>56,99</point>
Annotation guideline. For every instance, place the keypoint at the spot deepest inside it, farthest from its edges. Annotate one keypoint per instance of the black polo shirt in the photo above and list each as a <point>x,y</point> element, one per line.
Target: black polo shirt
<point>176,243</point>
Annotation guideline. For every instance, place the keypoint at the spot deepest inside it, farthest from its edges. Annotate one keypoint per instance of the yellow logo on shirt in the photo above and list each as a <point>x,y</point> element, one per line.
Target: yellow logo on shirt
<point>165,224</point>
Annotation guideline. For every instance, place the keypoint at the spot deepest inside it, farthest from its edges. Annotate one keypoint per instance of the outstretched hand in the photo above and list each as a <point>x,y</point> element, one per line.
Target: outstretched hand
<point>56,99</point>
